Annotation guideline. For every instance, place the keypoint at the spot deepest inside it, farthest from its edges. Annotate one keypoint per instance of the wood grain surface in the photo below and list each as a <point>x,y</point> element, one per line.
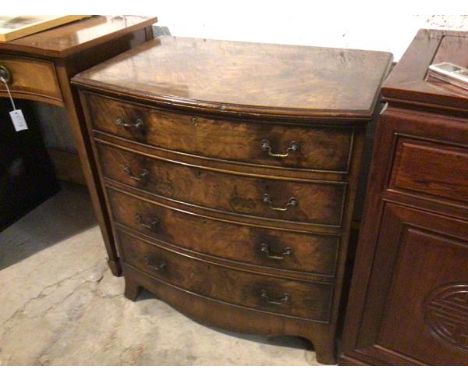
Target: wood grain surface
<point>247,78</point>
<point>408,83</point>
<point>323,148</point>
<point>306,300</point>
<point>316,202</point>
<point>224,239</point>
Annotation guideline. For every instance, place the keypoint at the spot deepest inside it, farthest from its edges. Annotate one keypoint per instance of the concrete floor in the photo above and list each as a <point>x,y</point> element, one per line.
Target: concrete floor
<point>60,305</point>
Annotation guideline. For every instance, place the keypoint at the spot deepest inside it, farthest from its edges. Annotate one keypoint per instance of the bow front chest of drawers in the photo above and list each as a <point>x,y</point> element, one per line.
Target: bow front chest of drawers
<point>230,172</point>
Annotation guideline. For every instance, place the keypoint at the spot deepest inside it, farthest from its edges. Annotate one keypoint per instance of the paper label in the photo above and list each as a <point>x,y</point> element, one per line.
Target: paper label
<point>18,120</point>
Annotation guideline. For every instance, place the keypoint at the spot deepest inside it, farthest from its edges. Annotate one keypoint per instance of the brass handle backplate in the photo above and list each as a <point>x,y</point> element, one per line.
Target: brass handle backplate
<point>142,178</point>
<point>274,301</point>
<point>141,221</point>
<point>155,267</point>
<point>5,74</point>
<point>292,202</point>
<point>266,146</point>
<point>138,125</point>
<point>266,252</point>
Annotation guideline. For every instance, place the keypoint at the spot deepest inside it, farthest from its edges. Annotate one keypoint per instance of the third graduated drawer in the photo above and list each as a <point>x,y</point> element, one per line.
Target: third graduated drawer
<point>276,249</point>
<point>316,202</point>
<point>302,147</point>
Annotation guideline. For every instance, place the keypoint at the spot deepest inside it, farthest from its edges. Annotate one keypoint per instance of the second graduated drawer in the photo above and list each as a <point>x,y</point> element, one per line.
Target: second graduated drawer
<point>273,248</point>
<point>304,147</point>
<point>315,202</point>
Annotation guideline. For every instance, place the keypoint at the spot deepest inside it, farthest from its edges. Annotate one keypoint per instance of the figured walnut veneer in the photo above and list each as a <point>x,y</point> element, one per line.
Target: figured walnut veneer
<point>230,172</point>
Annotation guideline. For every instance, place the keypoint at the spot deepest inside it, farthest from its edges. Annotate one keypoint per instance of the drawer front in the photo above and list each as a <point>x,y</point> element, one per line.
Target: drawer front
<point>293,298</point>
<point>31,76</point>
<point>264,247</point>
<point>324,148</point>
<point>432,169</point>
<point>309,202</point>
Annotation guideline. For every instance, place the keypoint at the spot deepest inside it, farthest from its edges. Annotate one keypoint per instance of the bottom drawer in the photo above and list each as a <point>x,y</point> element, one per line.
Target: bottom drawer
<point>282,296</point>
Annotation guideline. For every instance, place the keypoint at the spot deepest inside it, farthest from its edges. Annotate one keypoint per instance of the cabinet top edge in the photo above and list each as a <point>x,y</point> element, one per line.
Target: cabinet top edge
<point>409,83</point>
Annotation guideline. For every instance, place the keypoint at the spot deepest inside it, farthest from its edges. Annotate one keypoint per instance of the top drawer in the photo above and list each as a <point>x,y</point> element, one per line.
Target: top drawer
<point>30,77</point>
<point>314,148</point>
<point>432,169</point>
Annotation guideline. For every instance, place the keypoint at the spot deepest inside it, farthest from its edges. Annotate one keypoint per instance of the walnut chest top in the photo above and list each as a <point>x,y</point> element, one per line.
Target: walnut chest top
<point>247,78</point>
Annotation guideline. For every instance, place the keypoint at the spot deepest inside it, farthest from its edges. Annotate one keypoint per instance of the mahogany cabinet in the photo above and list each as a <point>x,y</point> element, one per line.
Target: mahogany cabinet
<point>409,296</point>
<point>230,173</point>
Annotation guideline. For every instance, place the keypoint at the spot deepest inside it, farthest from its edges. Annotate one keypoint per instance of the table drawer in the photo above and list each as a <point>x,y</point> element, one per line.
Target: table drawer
<point>234,241</point>
<point>268,144</point>
<point>293,298</point>
<point>313,202</point>
<point>421,167</point>
<point>31,76</point>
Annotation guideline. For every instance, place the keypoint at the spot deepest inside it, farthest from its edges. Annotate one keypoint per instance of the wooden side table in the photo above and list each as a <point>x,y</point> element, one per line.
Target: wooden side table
<point>40,66</point>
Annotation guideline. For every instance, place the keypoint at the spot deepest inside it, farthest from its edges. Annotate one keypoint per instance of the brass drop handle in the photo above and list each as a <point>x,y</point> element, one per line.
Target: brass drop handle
<point>137,125</point>
<point>5,74</point>
<point>292,202</point>
<point>141,221</point>
<point>162,265</point>
<point>143,177</point>
<point>274,301</point>
<point>265,251</point>
<point>266,146</point>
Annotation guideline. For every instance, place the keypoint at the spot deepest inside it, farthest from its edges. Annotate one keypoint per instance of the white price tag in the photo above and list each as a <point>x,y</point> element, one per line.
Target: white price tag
<point>18,120</point>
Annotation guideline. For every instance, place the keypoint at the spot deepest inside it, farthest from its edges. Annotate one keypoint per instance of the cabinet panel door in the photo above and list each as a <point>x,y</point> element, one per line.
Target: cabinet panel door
<point>416,310</point>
